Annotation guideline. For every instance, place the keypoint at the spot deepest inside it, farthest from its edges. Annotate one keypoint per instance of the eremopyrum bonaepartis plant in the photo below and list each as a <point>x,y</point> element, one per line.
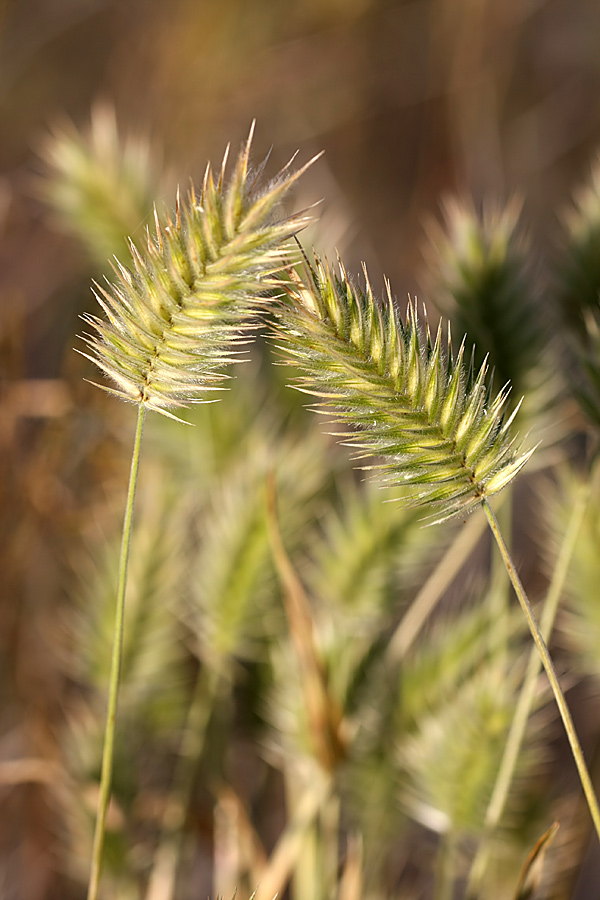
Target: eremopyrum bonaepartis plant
<point>175,316</point>
<point>428,415</point>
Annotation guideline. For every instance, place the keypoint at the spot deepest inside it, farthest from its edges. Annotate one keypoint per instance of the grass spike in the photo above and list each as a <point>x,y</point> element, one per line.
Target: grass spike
<point>178,312</point>
<point>432,432</point>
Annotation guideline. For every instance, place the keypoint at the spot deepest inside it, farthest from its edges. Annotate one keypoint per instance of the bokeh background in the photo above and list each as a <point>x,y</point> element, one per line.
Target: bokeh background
<point>409,100</point>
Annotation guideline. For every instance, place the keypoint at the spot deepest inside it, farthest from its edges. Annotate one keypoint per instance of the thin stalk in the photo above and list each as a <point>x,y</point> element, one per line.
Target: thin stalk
<point>330,851</point>
<point>561,702</point>
<point>351,881</point>
<point>115,666</point>
<point>449,566</point>
<point>446,866</point>
<point>290,846</point>
<point>519,722</point>
<point>306,881</point>
<point>500,593</point>
<point>324,716</point>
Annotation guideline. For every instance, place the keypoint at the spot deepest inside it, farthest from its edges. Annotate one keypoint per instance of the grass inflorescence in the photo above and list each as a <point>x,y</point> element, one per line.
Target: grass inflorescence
<point>428,414</point>
<point>179,313</point>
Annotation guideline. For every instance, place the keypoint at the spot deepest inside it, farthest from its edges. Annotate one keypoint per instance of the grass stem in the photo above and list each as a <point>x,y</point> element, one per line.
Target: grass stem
<point>461,548</point>
<point>501,588</point>
<point>540,643</point>
<point>519,722</point>
<point>289,850</point>
<point>115,669</point>
<point>446,866</point>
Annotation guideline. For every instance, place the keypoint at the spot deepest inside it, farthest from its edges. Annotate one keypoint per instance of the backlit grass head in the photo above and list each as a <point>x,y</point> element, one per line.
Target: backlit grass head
<point>178,312</point>
<point>429,416</point>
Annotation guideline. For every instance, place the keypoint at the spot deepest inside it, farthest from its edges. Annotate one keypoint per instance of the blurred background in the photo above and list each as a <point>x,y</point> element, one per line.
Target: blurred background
<point>411,101</point>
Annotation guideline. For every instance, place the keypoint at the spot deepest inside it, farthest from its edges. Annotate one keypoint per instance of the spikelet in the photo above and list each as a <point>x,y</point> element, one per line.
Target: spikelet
<point>412,402</point>
<point>177,316</point>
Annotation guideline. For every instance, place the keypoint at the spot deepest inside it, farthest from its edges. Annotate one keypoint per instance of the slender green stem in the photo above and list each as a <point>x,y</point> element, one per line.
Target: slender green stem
<point>306,876</point>
<point>440,579</point>
<point>519,722</point>
<point>446,866</point>
<point>290,847</point>
<point>115,668</point>
<point>330,851</point>
<point>500,594</point>
<point>561,702</point>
